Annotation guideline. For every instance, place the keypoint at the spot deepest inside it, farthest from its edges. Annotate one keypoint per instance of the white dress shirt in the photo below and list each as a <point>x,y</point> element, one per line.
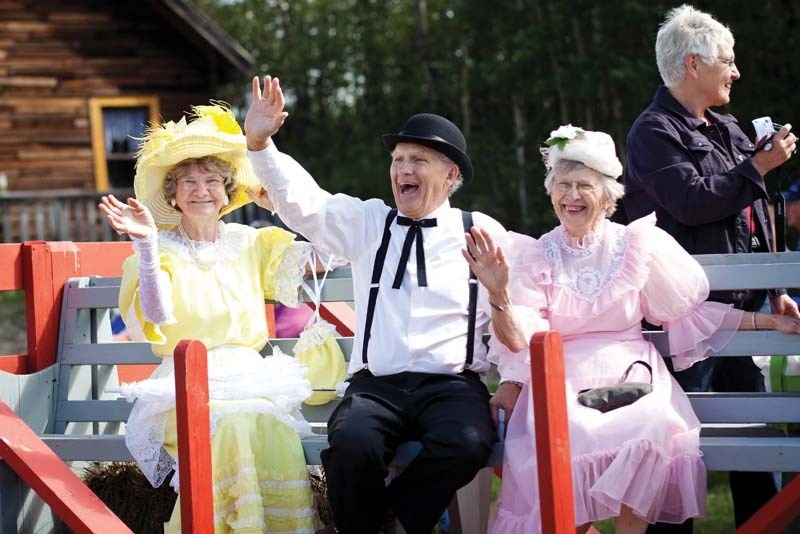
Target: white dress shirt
<point>418,329</point>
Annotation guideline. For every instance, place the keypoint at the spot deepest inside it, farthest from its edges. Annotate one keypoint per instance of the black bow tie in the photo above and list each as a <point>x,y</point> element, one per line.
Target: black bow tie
<point>414,232</point>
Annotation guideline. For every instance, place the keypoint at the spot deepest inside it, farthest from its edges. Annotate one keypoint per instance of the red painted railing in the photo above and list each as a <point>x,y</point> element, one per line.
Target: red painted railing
<point>35,463</point>
<point>552,433</point>
<point>40,269</point>
<point>194,445</point>
<point>552,450</point>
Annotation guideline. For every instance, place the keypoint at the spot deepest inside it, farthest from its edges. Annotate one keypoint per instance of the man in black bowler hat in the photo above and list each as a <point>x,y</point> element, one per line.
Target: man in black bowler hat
<point>417,355</point>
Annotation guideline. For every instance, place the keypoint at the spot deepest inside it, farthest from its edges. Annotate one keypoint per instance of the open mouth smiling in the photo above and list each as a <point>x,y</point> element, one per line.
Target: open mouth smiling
<point>573,209</point>
<point>407,189</point>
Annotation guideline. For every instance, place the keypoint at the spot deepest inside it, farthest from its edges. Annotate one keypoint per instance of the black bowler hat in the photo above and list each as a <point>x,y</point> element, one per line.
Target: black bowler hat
<point>438,133</point>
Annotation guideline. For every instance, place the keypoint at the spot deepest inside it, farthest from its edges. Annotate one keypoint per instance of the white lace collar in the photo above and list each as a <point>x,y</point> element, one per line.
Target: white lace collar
<point>206,254</point>
<point>585,269</point>
<point>582,246</point>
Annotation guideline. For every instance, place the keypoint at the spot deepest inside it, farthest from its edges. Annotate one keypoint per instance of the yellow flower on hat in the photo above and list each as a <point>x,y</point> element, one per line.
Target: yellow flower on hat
<point>212,131</point>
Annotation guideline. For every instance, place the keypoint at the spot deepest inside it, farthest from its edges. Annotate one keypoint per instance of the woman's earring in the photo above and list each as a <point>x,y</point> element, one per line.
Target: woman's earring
<point>173,202</point>
<point>226,201</point>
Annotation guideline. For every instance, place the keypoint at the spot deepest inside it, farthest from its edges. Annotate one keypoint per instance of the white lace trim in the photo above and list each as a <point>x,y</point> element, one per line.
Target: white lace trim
<point>579,274</point>
<point>268,484</point>
<point>583,246</point>
<point>314,336</point>
<point>290,273</point>
<point>226,249</point>
<point>254,498</point>
<point>273,385</point>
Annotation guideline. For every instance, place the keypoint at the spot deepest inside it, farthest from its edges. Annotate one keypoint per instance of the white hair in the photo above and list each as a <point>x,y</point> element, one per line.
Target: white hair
<point>688,31</point>
<point>456,185</point>
<point>612,189</point>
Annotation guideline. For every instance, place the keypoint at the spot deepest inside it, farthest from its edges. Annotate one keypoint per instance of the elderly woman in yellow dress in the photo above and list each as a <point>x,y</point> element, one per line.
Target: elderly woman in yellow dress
<point>194,276</point>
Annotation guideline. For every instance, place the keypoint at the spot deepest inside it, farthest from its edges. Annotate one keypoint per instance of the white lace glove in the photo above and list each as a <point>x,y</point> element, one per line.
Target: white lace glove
<point>155,289</point>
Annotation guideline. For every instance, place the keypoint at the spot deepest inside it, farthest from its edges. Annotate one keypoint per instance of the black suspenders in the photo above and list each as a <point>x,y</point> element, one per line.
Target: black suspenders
<point>374,285</point>
<point>377,268</point>
<point>466,217</point>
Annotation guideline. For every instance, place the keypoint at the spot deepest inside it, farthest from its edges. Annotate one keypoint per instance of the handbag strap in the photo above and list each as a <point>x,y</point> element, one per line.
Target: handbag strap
<point>640,362</point>
<point>315,293</point>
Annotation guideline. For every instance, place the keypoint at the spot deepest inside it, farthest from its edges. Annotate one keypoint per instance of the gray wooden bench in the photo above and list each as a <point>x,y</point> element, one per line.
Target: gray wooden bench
<point>86,421</point>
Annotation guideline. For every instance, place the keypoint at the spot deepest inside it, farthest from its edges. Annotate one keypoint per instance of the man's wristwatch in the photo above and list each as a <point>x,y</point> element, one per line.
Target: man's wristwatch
<point>515,382</point>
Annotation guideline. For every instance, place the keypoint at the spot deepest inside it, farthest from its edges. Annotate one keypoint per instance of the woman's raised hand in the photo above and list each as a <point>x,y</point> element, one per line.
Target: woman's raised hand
<point>266,115</point>
<point>486,260</point>
<point>132,218</point>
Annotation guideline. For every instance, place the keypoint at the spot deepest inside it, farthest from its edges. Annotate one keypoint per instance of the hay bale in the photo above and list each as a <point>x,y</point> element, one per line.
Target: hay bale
<point>126,491</point>
<point>319,488</point>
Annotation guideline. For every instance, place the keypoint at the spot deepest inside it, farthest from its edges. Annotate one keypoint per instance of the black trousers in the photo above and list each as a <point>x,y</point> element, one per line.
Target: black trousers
<point>449,414</point>
<point>749,490</point>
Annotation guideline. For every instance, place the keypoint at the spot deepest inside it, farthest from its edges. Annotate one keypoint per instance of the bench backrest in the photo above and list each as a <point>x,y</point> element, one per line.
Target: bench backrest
<point>87,354</point>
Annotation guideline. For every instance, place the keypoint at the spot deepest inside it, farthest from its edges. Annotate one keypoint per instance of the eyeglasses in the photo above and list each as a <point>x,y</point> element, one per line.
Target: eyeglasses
<point>190,184</point>
<point>729,61</point>
<point>582,187</point>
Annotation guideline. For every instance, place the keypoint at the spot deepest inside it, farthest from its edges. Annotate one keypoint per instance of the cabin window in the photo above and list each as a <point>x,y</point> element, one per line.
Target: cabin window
<point>116,124</point>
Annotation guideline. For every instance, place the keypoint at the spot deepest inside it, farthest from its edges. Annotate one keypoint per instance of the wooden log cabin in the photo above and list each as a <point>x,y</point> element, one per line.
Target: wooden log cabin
<point>79,81</point>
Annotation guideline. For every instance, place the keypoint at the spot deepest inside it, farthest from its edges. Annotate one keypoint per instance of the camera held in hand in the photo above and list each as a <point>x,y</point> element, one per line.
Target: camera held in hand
<point>765,130</point>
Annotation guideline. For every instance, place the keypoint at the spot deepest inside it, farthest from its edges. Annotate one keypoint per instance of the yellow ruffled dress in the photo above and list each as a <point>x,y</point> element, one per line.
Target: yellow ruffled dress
<point>259,471</point>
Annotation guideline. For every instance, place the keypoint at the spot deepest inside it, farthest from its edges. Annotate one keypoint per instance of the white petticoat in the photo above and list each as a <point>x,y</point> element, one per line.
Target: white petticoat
<point>234,373</point>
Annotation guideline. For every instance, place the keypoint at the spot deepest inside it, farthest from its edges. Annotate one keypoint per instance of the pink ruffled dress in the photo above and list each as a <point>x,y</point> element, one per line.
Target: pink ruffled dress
<point>595,293</point>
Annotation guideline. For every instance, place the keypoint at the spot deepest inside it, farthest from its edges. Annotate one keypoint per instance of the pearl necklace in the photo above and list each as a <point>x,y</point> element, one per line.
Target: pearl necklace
<point>208,256</point>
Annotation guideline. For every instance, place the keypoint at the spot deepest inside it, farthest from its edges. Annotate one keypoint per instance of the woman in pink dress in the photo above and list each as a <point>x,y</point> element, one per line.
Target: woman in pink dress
<point>593,281</point>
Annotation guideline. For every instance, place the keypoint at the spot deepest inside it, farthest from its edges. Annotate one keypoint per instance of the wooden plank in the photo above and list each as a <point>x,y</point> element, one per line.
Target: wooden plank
<point>89,448</point>
<point>746,407</point>
<point>751,453</point>
<point>15,364</point>
<point>103,259</point>
<point>777,513</point>
<point>11,273</point>
<point>129,353</point>
<point>94,297</point>
<point>73,411</point>
<point>52,480</point>
<point>194,437</point>
<point>552,433</point>
<point>134,373</point>
<point>744,343</point>
<point>341,315</point>
<point>41,311</point>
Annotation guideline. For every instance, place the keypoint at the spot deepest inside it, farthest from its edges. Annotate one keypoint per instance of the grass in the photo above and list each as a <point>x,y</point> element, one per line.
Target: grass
<point>719,508</point>
<point>12,322</point>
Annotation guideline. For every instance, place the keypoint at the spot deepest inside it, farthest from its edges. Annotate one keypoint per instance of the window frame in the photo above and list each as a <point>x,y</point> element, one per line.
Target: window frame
<point>97,128</point>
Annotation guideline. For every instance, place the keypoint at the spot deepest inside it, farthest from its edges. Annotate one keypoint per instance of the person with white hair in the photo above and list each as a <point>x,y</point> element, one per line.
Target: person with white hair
<point>702,176</point>
<point>593,281</point>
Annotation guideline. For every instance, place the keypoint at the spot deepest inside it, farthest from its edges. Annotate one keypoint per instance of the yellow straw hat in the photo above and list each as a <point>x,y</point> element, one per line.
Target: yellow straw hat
<point>213,131</point>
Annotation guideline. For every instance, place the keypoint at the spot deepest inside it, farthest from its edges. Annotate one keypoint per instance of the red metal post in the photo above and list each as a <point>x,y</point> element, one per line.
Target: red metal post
<point>40,468</point>
<point>552,433</point>
<point>777,513</point>
<point>194,437</point>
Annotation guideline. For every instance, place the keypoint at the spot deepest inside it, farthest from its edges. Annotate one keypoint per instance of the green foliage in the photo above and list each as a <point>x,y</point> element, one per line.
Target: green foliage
<point>507,72</point>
